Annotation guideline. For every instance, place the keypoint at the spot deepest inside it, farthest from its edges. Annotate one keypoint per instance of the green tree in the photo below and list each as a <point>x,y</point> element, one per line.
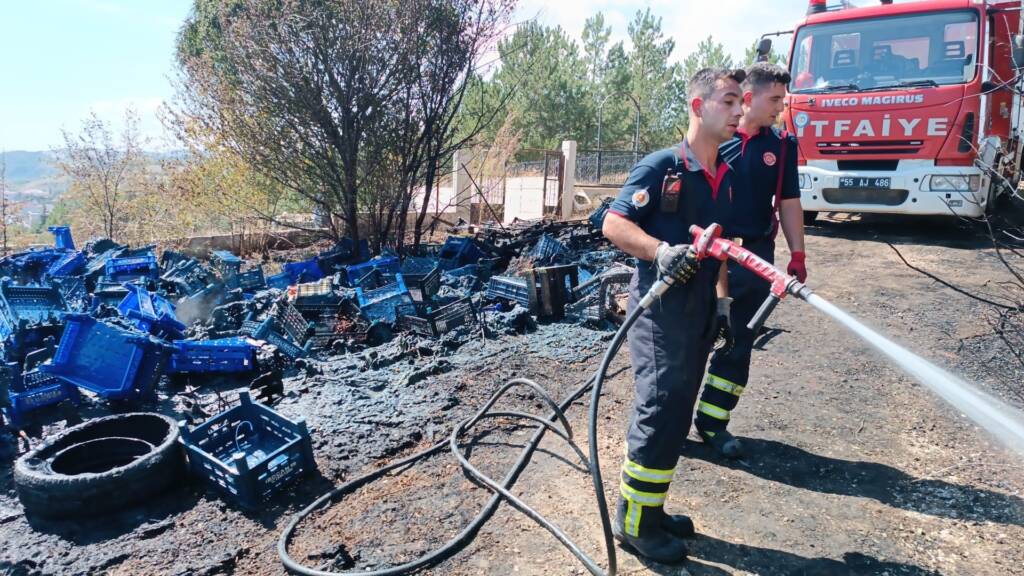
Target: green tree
<point>552,100</point>
<point>709,54</point>
<point>657,85</point>
<point>595,47</point>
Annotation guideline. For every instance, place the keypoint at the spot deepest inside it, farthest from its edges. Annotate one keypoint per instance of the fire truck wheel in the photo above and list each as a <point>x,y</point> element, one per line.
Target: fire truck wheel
<point>102,465</point>
<point>809,217</point>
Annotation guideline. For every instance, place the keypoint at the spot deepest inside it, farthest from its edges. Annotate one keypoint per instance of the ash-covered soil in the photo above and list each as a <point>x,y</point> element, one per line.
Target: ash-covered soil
<point>853,468</point>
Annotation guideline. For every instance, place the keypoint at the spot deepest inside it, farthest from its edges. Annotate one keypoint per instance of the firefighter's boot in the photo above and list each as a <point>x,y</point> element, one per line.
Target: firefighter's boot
<point>678,525</point>
<point>640,529</point>
<point>724,443</point>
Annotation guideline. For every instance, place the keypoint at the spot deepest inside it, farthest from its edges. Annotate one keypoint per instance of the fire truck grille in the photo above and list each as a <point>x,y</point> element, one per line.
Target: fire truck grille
<point>878,196</point>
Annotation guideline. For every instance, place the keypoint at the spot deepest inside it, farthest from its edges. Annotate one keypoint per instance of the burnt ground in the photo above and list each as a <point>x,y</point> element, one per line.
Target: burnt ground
<point>854,468</point>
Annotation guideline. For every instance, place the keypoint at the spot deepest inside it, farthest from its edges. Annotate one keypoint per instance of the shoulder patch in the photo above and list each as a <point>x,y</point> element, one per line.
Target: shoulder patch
<point>641,198</point>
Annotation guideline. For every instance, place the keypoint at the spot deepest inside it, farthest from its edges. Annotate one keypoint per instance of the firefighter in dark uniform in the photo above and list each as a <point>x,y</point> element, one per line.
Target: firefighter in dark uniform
<point>769,190</point>
<point>665,193</point>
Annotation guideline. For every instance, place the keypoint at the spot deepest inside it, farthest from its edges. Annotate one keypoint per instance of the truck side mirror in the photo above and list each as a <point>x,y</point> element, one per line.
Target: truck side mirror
<point>764,48</point>
<point>1017,51</point>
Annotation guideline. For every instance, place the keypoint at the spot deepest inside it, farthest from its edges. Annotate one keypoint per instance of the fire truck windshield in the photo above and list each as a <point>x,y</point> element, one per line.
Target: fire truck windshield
<point>895,51</point>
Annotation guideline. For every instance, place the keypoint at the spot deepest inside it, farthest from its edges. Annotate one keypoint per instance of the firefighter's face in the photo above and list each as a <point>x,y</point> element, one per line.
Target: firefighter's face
<point>762,106</point>
<point>720,112</point>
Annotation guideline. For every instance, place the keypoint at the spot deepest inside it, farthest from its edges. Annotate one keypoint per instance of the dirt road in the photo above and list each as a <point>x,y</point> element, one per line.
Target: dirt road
<point>853,467</point>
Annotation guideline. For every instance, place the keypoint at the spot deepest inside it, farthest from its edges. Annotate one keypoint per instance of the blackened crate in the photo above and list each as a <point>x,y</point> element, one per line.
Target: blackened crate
<point>206,356</point>
<point>423,287</point>
<point>458,251</point>
<point>380,304</point>
<point>68,265</point>
<point>23,306</point>
<point>509,288</point>
<point>252,280</point>
<point>546,248</point>
<point>315,298</point>
<point>249,452</point>
<point>422,320</point>
<point>292,321</point>
<point>269,333</point>
<point>386,264</point>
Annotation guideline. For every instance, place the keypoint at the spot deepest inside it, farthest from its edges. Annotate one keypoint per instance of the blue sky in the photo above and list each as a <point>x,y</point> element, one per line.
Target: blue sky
<point>61,59</point>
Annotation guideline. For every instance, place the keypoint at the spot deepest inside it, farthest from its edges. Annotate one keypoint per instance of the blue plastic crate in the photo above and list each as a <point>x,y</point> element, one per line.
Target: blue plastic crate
<point>249,452</point>
<point>269,332</point>
<point>458,251</point>
<point>113,363</point>
<point>205,356</point>
<point>547,248</point>
<point>62,239</point>
<point>252,280</point>
<point>68,265</point>
<point>380,303</point>
<point>145,265</point>
<point>509,288</point>
<point>34,390</point>
<point>435,322</point>
<point>22,306</point>
<point>386,264</point>
<point>305,271</point>
<point>187,276</point>
<point>151,313</point>
<point>280,281</point>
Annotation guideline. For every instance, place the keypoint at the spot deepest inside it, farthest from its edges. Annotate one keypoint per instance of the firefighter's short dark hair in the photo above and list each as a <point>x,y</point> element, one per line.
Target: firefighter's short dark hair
<point>761,75</point>
<point>702,83</point>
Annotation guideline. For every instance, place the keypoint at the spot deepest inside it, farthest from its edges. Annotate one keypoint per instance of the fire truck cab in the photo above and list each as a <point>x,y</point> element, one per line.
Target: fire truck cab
<point>909,108</point>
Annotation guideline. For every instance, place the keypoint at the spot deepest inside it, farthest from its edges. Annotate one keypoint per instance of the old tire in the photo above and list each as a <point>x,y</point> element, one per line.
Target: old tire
<point>100,466</point>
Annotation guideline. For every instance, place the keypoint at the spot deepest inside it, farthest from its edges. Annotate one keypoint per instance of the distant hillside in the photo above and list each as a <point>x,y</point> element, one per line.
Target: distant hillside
<point>24,167</point>
<point>38,170</point>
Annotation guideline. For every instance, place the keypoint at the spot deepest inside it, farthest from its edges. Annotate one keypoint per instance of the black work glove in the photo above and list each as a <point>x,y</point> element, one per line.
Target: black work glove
<point>672,262</point>
<point>724,337</point>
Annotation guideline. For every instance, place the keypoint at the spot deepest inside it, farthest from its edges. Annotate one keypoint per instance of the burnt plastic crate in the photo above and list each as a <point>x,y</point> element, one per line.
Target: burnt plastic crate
<point>252,280</point>
<point>111,362</point>
<point>547,249</point>
<point>249,452</point>
<point>509,288</point>
<point>34,390</point>
<point>144,265</point>
<point>68,265</point>
<point>206,356</point>
<point>269,332</point>
<point>280,281</point>
<point>379,304</point>
<point>316,298</point>
<point>458,251</point>
<point>151,313</point>
<point>386,264</point>
<point>435,322</point>
<point>423,287</point>
<point>28,314</point>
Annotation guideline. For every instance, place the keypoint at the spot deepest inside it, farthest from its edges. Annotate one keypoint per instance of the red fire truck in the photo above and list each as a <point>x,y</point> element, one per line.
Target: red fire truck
<point>909,108</point>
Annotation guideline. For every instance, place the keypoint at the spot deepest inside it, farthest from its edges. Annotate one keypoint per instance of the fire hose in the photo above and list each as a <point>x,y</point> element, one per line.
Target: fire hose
<point>707,244</point>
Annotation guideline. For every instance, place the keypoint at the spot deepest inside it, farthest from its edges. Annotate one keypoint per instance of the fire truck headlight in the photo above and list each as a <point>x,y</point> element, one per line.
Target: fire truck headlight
<point>805,181</point>
<point>953,183</point>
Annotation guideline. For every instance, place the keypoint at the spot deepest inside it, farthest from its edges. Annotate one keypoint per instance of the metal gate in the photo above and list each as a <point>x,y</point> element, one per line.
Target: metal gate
<point>554,177</point>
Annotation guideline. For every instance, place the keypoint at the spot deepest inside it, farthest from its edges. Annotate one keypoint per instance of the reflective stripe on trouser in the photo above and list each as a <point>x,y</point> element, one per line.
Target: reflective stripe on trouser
<point>669,345</point>
<point>729,372</point>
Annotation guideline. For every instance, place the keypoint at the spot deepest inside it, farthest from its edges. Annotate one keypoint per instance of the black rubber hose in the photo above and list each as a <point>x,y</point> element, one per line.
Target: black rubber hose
<point>460,539</point>
<point>595,463</point>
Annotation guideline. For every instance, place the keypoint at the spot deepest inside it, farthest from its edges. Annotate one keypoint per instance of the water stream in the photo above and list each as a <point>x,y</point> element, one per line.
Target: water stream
<point>1001,420</point>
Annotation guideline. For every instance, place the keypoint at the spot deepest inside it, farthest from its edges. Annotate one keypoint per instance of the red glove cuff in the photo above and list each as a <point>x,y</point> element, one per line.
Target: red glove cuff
<point>800,257</point>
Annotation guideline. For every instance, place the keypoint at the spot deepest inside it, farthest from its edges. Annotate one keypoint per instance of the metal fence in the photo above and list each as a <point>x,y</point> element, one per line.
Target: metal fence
<point>605,167</point>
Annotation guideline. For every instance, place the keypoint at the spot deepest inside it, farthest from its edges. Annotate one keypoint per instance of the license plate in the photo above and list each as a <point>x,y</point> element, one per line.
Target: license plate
<point>859,182</point>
